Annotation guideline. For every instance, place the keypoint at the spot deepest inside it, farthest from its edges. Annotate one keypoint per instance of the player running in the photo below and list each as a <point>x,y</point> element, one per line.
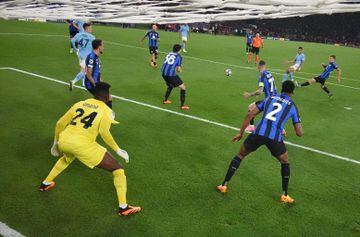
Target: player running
<point>298,64</point>
<point>184,33</point>
<point>154,38</point>
<point>325,75</point>
<point>249,40</point>
<point>256,44</point>
<point>73,30</point>
<point>84,41</point>
<point>170,68</point>
<point>75,136</point>
<point>93,65</point>
<point>277,110</point>
<point>266,85</point>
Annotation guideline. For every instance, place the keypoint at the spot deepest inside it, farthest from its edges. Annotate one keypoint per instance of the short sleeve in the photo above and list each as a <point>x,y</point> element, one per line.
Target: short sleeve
<point>295,115</point>
<point>303,58</point>
<point>261,81</point>
<point>90,62</point>
<point>335,66</point>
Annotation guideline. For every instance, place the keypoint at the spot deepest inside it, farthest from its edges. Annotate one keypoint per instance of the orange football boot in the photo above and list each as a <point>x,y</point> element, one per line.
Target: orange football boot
<point>286,199</point>
<point>167,102</point>
<point>128,210</point>
<point>185,107</point>
<point>45,187</point>
<point>221,189</point>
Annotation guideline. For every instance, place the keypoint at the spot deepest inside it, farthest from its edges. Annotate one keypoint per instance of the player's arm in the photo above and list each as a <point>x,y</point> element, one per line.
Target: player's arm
<point>339,74</point>
<point>188,33</point>
<point>104,131</point>
<point>258,92</point>
<point>253,111</point>
<point>61,124</point>
<point>146,35</point>
<point>262,43</point>
<point>179,66</point>
<point>323,65</point>
<point>89,75</point>
<point>296,121</point>
<point>75,25</point>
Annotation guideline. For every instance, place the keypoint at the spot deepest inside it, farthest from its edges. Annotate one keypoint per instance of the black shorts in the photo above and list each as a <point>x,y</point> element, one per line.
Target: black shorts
<point>254,141</point>
<point>73,33</point>
<point>173,81</point>
<point>255,50</point>
<point>153,50</point>
<point>248,47</point>
<point>320,80</point>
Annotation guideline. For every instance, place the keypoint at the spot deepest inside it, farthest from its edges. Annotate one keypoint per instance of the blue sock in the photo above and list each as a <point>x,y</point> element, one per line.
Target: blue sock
<point>285,76</point>
<point>78,77</point>
<point>291,76</point>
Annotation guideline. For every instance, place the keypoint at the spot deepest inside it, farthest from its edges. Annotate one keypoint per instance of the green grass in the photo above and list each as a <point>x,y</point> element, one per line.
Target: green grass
<point>175,162</point>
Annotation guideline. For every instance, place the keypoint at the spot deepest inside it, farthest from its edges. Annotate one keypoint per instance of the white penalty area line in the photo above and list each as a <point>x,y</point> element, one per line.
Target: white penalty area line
<point>184,115</point>
<point>273,70</point>
<point>6,231</point>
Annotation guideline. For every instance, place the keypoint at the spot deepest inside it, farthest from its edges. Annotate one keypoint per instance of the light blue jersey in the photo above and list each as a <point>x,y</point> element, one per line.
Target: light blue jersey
<point>184,29</point>
<point>84,40</point>
<point>299,58</point>
<point>80,24</point>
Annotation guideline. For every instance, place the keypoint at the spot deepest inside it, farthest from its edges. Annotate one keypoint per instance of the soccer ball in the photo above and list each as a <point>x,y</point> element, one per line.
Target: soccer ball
<point>228,72</point>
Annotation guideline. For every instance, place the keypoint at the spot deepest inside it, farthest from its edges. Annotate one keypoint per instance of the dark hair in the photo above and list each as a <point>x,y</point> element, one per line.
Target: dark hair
<point>288,87</point>
<point>262,63</point>
<point>176,48</point>
<point>101,90</point>
<point>86,25</point>
<point>333,56</point>
<point>300,47</point>
<point>96,43</point>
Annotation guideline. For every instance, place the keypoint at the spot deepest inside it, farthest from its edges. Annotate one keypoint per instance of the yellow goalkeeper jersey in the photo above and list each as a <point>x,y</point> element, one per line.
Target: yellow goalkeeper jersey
<point>84,121</point>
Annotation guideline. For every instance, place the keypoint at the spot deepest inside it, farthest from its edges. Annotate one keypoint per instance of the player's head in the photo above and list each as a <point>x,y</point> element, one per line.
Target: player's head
<point>154,27</point>
<point>288,87</point>
<point>176,48</point>
<point>101,91</point>
<point>87,27</point>
<point>250,32</point>
<point>261,65</point>
<point>98,45</point>
<point>332,58</point>
<point>257,35</point>
<point>300,49</point>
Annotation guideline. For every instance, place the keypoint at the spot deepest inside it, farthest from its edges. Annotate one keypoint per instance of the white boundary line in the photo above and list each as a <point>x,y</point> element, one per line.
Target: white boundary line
<point>184,115</point>
<point>6,231</point>
<point>273,70</point>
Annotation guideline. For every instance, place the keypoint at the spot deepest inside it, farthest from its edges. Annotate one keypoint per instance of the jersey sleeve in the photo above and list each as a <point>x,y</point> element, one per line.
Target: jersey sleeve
<point>74,40</point>
<point>261,81</point>
<point>63,122</point>
<point>179,61</point>
<point>335,66</point>
<point>295,115</point>
<point>261,104</point>
<point>104,130</point>
<point>303,58</point>
<point>90,62</point>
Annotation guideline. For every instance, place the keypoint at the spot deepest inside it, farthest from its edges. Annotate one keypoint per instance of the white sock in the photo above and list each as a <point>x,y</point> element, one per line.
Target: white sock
<point>46,183</point>
<point>123,206</point>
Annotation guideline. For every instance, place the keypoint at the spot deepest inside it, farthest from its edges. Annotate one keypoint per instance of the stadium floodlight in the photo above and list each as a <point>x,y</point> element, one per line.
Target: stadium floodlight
<point>170,11</point>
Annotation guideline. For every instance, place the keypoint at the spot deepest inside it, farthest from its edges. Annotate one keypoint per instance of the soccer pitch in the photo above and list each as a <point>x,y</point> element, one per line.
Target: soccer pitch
<point>175,160</point>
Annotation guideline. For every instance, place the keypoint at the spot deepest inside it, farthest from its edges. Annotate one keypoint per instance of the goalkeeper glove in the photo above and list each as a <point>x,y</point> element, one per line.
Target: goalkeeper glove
<point>55,150</point>
<point>123,154</point>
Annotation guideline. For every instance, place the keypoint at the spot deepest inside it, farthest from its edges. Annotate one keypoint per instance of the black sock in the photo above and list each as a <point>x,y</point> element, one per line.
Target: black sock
<point>285,176</point>
<point>109,104</point>
<point>252,121</point>
<point>234,165</point>
<point>305,84</point>
<point>326,89</point>
<point>168,92</point>
<point>182,96</point>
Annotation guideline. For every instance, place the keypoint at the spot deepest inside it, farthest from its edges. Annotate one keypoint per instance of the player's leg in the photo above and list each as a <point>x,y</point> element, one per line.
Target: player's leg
<point>322,85</point>
<point>251,127</point>
<point>257,57</point>
<point>155,57</point>
<point>169,88</point>
<point>59,167</point>
<point>308,82</point>
<point>182,97</point>
<point>80,75</point>
<point>183,46</point>
<point>286,74</point>
<point>110,164</point>
<point>249,57</point>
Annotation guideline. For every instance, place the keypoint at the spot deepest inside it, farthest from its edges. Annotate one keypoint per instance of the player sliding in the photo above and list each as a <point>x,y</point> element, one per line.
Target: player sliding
<point>184,33</point>
<point>84,41</point>
<point>170,68</point>
<point>154,37</point>
<point>255,49</point>
<point>75,136</point>
<point>277,110</point>
<point>266,85</point>
<point>325,75</point>
<point>298,64</point>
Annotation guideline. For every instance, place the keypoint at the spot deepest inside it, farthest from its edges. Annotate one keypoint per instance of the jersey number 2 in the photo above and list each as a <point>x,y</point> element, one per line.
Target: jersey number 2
<point>272,115</point>
<point>87,120</point>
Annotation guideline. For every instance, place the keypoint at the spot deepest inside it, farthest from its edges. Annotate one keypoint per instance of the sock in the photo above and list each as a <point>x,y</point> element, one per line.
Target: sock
<point>120,186</point>
<point>291,76</point>
<point>305,84</point>
<point>59,167</point>
<point>285,176</point>
<point>168,92</point>
<point>182,96</point>
<point>249,57</point>
<point>78,77</point>
<point>183,46</point>
<point>285,76</point>
<point>326,89</point>
<point>109,104</point>
<point>234,165</point>
<point>257,58</point>
<point>252,121</point>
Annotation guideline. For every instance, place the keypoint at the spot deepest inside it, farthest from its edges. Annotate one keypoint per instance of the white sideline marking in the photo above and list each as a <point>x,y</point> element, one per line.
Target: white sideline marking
<point>6,231</point>
<point>273,70</point>
<point>184,115</point>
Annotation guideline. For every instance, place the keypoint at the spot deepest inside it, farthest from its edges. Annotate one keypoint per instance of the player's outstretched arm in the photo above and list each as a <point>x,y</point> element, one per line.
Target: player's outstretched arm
<point>339,75</point>
<point>253,111</point>
<point>259,91</point>
<point>104,131</point>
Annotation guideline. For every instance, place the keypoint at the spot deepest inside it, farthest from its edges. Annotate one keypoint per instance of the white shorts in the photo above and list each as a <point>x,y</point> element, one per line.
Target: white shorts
<point>184,38</point>
<point>295,66</point>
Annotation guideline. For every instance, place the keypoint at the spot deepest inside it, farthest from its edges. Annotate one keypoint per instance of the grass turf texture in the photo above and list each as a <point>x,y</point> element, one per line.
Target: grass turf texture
<point>175,162</point>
